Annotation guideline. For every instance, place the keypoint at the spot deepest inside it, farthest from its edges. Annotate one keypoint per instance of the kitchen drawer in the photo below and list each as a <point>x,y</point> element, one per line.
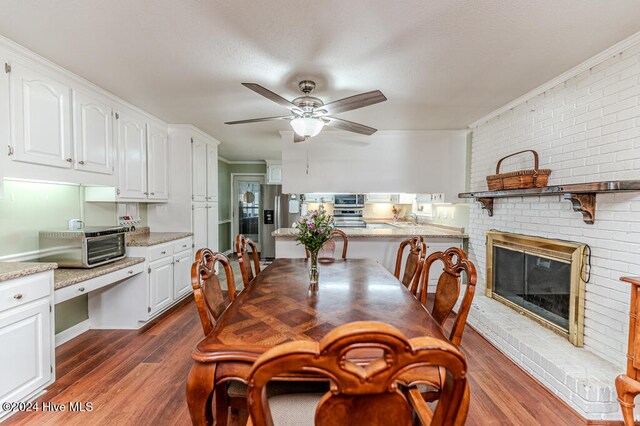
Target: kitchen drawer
<point>24,290</point>
<point>159,251</point>
<point>182,245</point>
<point>84,287</point>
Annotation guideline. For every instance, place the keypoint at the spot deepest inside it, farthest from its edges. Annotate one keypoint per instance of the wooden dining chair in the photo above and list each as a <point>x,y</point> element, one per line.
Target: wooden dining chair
<point>243,244</point>
<point>211,303</point>
<point>328,250</point>
<point>207,291</point>
<point>413,264</point>
<point>448,288</point>
<point>358,392</point>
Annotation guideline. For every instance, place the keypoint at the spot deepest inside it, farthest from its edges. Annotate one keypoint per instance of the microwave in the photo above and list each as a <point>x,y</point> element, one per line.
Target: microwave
<point>348,200</point>
<point>83,248</point>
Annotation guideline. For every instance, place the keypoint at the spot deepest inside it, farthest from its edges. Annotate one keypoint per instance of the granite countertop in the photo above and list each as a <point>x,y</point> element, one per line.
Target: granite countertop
<point>142,237</point>
<point>12,270</point>
<point>429,231</point>
<point>64,277</point>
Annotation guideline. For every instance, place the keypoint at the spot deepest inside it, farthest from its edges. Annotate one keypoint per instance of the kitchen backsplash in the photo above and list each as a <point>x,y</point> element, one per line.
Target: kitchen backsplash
<point>29,207</point>
<point>371,210</point>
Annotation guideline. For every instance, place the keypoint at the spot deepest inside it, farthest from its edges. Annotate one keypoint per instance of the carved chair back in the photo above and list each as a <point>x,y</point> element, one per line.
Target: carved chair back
<point>206,287</point>
<point>329,248</point>
<point>448,288</point>
<point>364,391</point>
<point>413,264</point>
<point>243,244</point>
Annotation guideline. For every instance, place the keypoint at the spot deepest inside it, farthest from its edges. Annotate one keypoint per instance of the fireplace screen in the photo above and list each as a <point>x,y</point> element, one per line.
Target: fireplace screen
<point>540,285</point>
<point>540,278</point>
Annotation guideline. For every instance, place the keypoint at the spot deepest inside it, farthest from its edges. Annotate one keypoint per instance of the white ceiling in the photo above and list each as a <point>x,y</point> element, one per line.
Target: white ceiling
<point>441,63</point>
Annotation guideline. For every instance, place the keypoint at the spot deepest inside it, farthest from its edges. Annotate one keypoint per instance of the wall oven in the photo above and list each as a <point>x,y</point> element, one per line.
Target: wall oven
<point>348,201</point>
<point>83,248</point>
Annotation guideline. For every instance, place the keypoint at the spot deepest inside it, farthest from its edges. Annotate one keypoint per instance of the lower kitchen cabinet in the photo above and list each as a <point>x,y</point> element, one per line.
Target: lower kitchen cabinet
<point>139,299</point>
<point>160,284</point>
<point>27,357</point>
<point>182,274</point>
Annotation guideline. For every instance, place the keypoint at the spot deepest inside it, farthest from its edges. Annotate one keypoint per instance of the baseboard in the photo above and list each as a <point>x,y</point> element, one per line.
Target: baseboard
<point>72,332</point>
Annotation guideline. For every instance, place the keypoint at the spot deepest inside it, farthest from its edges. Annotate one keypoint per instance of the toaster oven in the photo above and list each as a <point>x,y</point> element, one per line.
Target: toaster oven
<point>83,248</point>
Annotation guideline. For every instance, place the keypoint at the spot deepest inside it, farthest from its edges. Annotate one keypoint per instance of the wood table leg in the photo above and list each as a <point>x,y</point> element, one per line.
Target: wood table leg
<point>627,389</point>
<point>200,386</point>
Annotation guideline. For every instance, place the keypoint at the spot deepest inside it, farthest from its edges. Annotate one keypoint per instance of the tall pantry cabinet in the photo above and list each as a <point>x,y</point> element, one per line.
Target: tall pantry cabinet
<point>204,187</point>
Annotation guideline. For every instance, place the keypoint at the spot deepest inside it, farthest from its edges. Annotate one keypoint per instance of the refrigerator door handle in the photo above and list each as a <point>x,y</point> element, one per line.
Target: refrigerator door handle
<point>277,212</point>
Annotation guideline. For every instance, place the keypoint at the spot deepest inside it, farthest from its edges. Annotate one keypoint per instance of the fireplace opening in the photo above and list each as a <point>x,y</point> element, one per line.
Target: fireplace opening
<point>540,278</point>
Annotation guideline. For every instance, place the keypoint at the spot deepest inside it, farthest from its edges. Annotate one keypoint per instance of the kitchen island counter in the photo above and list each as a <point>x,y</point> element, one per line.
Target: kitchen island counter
<point>427,231</point>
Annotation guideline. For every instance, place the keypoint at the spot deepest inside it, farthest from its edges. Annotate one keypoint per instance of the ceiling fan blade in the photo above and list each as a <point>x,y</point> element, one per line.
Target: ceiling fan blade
<point>297,138</point>
<point>350,126</point>
<point>256,120</point>
<point>354,102</point>
<point>272,96</point>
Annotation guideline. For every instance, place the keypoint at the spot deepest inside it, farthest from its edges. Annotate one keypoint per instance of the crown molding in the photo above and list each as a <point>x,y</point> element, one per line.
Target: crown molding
<point>578,69</point>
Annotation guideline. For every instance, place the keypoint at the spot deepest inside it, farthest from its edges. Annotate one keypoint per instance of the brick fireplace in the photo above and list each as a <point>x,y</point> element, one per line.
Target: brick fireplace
<point>585,125</point>
<point>540,278</point>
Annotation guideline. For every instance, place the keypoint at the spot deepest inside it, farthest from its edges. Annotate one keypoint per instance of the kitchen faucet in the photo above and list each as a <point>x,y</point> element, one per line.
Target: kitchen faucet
<point>414,217</point>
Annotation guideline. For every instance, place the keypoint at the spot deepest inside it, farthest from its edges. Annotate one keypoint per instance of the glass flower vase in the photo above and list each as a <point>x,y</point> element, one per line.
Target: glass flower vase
<point>313,271</point>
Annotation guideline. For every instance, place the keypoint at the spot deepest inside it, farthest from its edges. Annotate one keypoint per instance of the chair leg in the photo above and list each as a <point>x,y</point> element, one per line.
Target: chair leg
<point>200,386</point>
<point>627,389</point>
<point>222,405</point>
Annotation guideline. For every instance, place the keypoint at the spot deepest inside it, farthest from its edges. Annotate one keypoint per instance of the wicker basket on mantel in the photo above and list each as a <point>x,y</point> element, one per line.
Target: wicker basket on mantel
<point>522,179</point>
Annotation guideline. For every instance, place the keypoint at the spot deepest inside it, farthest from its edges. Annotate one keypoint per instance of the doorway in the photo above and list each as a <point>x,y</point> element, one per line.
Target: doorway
<point>246,204</point>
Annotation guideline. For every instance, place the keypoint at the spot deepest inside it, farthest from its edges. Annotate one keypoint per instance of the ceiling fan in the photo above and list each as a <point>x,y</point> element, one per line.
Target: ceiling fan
<point>310,114</point>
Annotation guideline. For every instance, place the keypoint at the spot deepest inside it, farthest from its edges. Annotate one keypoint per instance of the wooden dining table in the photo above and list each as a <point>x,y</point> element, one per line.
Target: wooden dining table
<point>277,307</point>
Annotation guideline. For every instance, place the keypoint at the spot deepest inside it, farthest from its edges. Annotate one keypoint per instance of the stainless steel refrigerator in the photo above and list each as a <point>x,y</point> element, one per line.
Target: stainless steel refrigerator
<point>278,211</point>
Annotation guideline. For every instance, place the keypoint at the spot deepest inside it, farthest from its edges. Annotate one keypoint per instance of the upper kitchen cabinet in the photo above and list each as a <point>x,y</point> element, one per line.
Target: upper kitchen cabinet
<point>132,156</point>
<point>198,170</point>
<point>39,114</point>
<point>92,133</point>
<point>158,162</point>
<point>274,172</point>
<point>212,172</point>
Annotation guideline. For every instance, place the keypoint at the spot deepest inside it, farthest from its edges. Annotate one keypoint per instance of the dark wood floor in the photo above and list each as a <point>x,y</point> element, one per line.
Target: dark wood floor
<point>136,378</point>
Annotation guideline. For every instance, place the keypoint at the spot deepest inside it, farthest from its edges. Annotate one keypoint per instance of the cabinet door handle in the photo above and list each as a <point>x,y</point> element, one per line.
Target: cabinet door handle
<point>153,193</point>
<point>18,296</point>
<point>130,272</point>
<point>146,193</point>
<point>81,289</point>
<point>69,160</point>
<point>184,246</point>
<point>163,252</point>
<point>81,162</point>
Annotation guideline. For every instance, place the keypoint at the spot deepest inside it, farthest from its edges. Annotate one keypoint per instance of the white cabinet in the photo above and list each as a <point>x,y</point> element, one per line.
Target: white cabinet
<point>380,198</point>
<point>27,357</point>
<point>199,225</point>
<point>157,162</point>
<point>406,198</point>
<point>199,170</point>
<point>132,156</point>
<point>274,172</point>
<point>212,226</point>
<point>212,172</point>
<point>160,284</point>
<point>92,134</point>
<point>182,274</point>
<point>205,225</point>
<point>40,120</point>
<point>319,198</point>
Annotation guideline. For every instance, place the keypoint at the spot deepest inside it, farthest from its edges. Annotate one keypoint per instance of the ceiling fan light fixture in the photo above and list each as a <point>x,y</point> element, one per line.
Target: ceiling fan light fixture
<point>307,127</point>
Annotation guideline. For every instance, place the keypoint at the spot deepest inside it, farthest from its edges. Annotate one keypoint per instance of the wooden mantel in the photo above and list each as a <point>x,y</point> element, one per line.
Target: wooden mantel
<point>581,195</point>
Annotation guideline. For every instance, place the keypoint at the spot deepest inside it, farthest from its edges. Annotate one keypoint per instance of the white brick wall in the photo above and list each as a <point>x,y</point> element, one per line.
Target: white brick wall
<point>586,129</point>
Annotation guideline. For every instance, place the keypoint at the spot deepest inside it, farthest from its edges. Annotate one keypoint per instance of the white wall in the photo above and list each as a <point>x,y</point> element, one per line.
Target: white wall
<point>585,129</point>
<point>422,161</point>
